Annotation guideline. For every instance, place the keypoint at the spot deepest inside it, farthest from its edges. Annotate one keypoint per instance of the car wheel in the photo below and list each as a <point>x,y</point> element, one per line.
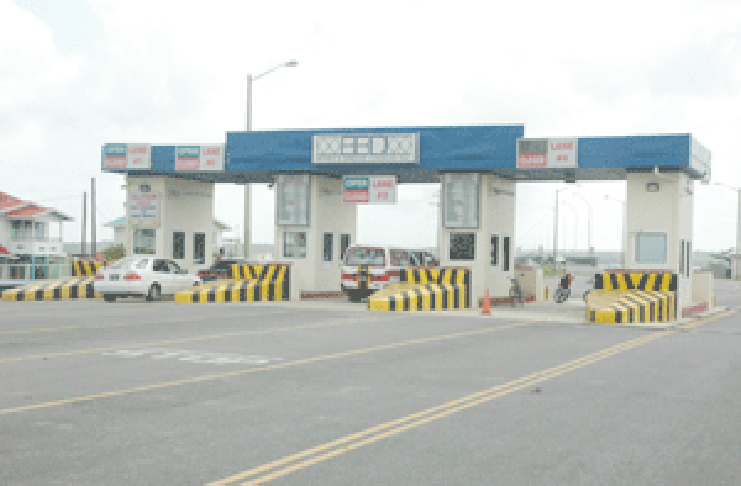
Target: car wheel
<point>109,298</point>
<point>154,293</point>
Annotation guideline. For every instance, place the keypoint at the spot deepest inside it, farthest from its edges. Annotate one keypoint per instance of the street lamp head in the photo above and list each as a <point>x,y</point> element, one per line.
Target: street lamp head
<point>291,63</point>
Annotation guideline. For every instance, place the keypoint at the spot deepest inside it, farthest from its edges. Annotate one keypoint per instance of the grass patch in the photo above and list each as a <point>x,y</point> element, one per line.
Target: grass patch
<point>549,271</point>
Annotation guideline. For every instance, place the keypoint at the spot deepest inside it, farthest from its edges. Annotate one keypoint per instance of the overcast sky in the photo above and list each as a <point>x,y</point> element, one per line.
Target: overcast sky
<point>75,74</point>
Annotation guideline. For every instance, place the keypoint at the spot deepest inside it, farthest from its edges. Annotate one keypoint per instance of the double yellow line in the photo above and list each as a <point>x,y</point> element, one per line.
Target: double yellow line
<point>286,465</point>
<point>216,376</point>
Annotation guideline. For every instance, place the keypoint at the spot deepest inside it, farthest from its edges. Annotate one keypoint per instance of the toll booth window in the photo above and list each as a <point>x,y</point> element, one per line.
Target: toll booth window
<point>366,256</point>
<point>145,241</point>
<point>494,260</point>
<point>199,248</point>
<point>651,248</point>
<point>462,246</point>
<point>328,247</point>
<point>505,253</point>
<point>294,244</point>
<point>344,243</point>
<point>178,245</point>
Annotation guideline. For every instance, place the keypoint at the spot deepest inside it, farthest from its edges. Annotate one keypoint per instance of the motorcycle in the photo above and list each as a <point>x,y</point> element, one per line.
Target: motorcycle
<point>515,293</point>
<point>562,294</point>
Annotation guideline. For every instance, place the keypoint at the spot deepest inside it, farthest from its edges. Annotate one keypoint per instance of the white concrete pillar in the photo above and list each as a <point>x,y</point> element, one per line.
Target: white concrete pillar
<point>479,207</point>
<point>312,270</point>
<point>659,213</point>
<point>184,206</point>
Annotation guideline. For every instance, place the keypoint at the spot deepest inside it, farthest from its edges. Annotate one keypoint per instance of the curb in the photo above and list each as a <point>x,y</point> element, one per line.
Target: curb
<point>702,315</point>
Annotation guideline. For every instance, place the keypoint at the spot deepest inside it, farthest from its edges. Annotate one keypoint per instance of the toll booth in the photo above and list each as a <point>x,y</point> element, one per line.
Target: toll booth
<point>319,177</point>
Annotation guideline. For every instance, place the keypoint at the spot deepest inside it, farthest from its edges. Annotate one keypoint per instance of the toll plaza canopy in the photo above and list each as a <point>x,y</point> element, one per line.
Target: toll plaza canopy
<point>414,155</point>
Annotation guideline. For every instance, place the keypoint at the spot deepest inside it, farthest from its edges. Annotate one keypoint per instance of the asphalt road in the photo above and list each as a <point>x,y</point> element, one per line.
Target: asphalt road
<point>167,393</point>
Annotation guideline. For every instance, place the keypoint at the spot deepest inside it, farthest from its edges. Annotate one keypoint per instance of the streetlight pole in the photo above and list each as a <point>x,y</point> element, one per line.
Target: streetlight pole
<point>555,228</point>
<point>623,238</point>
<point>737,254</point>
<point>576,224</point>
<point>247,247</point>
<point>589,221</point>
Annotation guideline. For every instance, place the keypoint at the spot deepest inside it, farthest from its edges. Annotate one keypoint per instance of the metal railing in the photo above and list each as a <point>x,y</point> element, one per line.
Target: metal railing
<point>38,271</point>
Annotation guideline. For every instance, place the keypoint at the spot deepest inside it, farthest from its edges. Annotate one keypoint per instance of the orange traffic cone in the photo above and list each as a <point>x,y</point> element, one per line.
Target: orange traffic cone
<point>486,308</point>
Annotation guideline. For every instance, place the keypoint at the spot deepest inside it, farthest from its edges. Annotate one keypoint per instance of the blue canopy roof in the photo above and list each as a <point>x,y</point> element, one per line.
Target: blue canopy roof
<point>258,156</point>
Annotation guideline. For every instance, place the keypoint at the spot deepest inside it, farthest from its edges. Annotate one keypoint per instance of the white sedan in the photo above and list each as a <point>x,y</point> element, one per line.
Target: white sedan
<point>142,276</point>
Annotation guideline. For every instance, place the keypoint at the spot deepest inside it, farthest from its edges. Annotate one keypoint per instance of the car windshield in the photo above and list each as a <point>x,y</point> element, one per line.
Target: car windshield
<point>365,256</point>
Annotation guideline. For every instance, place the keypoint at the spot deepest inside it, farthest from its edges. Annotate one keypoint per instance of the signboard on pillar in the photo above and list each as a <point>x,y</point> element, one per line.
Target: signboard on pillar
<point>365,148</point>
<point>127,156</point>
<point>547,153</point>
<point>370,189</point>
<point>461,200</point>
<point>144,209</point>
<point>199,158</point>
<point>293,193</point>
<point>355,189</point>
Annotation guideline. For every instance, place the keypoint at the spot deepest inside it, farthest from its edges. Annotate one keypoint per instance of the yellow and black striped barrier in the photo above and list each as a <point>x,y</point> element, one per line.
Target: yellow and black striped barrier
<point>87,268</point>
<point>421,297</point>
<point>235,291</point>
<point>633,306</point>
<point>460,277</point>
<point>73,288</point>
<point>278,273</point>
<point>636,281</point>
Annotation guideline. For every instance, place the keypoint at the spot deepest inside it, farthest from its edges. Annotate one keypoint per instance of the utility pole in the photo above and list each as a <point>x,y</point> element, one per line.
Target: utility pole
<point>92,217</point>
<point>84,223</point>
<point>555,231</point>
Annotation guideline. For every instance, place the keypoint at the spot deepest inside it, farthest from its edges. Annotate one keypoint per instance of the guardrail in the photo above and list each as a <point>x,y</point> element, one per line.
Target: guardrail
<point>34,271</point>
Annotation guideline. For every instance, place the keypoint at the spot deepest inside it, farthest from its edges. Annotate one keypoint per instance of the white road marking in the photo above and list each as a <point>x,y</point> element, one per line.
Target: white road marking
<point>191,356</point>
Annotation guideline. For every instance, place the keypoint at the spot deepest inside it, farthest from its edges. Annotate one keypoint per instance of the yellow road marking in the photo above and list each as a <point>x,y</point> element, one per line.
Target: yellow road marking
<point>196,338</point>
<point>217,376</point>
<point>394,427</point>
<point>526,380</point>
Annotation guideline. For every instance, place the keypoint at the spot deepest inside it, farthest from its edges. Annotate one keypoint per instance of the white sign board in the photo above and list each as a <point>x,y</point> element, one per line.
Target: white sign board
<point>369,189</point>
<point>144,208</point>
<point>547,153</point>
<point>292,206</point>
<point>382,190</point>
<point>127,156</point>
<point>460,200</point>
<point>199,158</point>
<point>365,148</point>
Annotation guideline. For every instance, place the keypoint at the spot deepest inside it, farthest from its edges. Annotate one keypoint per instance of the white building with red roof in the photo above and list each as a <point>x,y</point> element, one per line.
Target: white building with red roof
<point>26,229</point>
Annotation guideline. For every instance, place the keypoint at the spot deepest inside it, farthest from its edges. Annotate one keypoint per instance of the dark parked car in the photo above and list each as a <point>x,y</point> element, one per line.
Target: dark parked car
<point>222,269</point>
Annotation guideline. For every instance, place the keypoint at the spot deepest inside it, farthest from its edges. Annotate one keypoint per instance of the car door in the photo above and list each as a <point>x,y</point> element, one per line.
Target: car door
<point>161,274</point>
<point>180,280</point>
